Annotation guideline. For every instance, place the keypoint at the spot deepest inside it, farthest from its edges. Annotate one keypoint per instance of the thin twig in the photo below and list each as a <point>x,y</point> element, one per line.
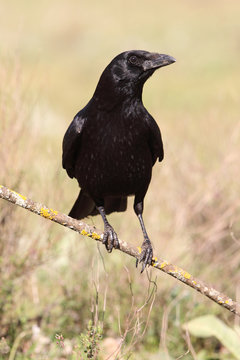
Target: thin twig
<point>95,234</point>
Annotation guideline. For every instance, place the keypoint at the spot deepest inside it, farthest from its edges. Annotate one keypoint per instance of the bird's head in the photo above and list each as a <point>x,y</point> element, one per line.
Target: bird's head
<point>137,65</point>
<point>127,73</point>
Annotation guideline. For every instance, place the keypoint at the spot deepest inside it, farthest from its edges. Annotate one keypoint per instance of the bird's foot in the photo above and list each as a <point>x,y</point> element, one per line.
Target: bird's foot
<point>146,254</point>
<point>110,238</point>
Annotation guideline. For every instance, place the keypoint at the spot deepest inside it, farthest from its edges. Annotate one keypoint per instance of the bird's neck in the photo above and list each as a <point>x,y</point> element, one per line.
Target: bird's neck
<point>108,94</point>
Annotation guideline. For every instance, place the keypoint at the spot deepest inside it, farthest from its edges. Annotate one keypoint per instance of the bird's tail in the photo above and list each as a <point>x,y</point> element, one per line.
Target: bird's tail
<point>82,207</point>
<point>85,206</point>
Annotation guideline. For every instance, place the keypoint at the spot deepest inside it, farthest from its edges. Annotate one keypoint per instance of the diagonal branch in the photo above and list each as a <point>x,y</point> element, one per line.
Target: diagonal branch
<point>95,234</point>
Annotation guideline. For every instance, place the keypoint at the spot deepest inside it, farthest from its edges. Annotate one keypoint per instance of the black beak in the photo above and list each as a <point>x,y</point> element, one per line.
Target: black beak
<point>156,61</point>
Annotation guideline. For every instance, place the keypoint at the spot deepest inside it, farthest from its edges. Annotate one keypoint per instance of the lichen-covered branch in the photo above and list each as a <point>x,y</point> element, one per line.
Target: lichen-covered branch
<point>95,234</point>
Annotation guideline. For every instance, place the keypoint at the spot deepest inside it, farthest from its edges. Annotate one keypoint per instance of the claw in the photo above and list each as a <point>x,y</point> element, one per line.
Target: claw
<point>146,255</point>
<point>110,239</point>
<point>105,237</point>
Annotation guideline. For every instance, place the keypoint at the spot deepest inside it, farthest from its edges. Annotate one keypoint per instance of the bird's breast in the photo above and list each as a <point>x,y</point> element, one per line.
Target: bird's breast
<point>114,156</point>
<point>116,164</point>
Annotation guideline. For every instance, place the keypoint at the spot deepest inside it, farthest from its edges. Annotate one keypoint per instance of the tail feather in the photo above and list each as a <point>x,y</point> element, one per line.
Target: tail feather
<point>82,207</point>
<point>112,204</point>
<point>85,206</point>
<point>118,204</point>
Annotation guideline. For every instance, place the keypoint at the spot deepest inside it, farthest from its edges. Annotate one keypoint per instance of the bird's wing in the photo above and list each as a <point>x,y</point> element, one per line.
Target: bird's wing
<point>71,143</point>
<point>155,140</point>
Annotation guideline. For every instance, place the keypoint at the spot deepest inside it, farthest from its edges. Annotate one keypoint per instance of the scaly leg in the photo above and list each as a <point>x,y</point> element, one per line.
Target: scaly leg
<point>110,238</point>
<point>147,251</point>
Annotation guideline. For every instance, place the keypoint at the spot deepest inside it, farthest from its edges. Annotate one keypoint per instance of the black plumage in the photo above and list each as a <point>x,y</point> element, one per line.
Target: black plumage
<point>113,142</point>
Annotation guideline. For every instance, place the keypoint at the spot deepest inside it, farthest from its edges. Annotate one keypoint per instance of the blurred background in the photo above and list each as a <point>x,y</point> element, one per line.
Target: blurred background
<point>62,296</point>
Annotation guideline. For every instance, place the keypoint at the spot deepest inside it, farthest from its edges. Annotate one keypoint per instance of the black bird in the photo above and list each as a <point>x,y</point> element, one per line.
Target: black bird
<point>113,142</point>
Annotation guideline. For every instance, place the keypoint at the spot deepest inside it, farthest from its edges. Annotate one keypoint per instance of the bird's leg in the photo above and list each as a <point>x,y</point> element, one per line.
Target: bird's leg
<point>110,238</point>
<point>146,249</point>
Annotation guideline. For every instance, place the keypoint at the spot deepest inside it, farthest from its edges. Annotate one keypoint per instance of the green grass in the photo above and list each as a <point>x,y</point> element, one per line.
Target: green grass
<point>52,54</point>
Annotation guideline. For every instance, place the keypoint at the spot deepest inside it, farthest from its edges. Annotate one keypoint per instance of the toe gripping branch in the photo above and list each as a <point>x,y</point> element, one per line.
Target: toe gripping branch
<point>110,239</point>
<point>146,255</point>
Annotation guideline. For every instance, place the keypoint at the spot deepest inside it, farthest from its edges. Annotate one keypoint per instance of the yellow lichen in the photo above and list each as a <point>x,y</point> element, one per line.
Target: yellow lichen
<point>187,275</point>
<point>163,264</point>
<point>48,213</point>
<point>21,196</point>
<point>95,236</point>
<point>44,212</point>
<point>84,232</point>
<point>139,249</point>
<point>54,212</point>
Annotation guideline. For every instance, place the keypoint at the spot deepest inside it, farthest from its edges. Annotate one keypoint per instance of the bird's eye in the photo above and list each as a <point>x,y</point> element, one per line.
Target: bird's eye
<point>133,59</point>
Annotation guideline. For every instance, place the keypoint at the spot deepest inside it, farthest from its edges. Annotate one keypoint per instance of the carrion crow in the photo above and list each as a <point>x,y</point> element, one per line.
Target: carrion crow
<point>112,144</point>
